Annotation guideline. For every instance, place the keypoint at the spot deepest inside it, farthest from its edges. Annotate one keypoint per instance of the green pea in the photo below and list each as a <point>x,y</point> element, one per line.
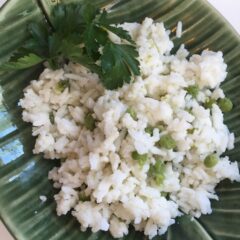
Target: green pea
<point>157,171</point>
<point>135,155</point>
<point>159,179</point>
<point>225,104</point>
<point>89,122</point>
<point>141,158</point>
<point>142,161</point>
<point>209,103</point>
<point>132,113</point>
<point>166,141</point>
<point>159,166</point>
<point>151,170</point>
<point>62,85</point>
<point>193,90</point>
<point>211,160</point>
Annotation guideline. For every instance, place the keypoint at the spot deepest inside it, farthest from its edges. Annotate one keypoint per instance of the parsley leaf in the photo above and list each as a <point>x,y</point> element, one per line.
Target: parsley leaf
<point>39,33</point>
<point>38,42</point>
<point>80,33</point>
<point>89,12</point>
<point>67,19</point>
<point>120,32</point>
<point>75,54</point>
<point>23,62</point>
<point>118,65</point>
<point>90,40</point>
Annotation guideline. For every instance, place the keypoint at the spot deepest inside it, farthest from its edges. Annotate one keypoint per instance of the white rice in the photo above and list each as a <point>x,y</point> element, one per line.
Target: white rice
<point>99,164</point>
<point>43,198</point>
<point>179,30</point>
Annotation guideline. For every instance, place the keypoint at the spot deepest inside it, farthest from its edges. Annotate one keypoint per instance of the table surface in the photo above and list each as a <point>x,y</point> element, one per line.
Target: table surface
<point>228,8</point>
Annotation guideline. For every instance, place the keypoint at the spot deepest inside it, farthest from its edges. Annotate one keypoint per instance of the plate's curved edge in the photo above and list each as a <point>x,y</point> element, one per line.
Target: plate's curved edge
<point>3,4</point>
<point>228,24</point>
<point>5,221</point>
<point>224,21</point>
<point>7,226</point>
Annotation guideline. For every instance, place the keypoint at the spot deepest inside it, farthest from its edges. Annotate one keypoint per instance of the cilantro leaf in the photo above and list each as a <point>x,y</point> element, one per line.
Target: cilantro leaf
<point>67,19</point>
<point>55,57</point>
<point>120,32</point>
<point>89,12</point>
<point>93,38</point>
<point>114,53</point>
<point>75,54</point>
<point>102,21</point>
<point>54,45</point>
<point>86,62</point>
<point>23,62</point>
<point>116,76</point>
<point>38,43</point>
<point>89,40</point>
<point>79,33</point>
<point>39,32</point>
<point>118,64</point>
<point>32,46</point>
<point>129,54</point>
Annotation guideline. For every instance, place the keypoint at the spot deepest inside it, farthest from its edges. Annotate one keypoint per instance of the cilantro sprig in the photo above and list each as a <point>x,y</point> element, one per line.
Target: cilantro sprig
<point>77,33</point>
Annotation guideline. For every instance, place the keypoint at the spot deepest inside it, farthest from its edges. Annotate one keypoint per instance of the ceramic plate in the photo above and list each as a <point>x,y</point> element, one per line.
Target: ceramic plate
<point>23,176</point>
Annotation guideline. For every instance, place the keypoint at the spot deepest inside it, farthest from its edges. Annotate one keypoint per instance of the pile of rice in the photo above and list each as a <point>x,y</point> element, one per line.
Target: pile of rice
<point>98,164</point>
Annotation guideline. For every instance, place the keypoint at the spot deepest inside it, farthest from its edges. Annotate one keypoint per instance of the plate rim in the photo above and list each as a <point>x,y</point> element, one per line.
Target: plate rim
<point>226,23</point>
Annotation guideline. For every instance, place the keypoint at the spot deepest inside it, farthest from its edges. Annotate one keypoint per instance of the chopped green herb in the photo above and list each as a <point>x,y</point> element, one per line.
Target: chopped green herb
<point>161,127</point>
<point>21,63</point>
<point>118,62</point>
<point>166,141</point>
<point>83,198</point>
<point>193,90</point>
<point>132,113</point>
<point>211,160</point>
<point>164,194</point>
<point>190,130</point>
<point>209,103</point>
<point>225,104</point>
<point>77,32</point>
<point>141,158</point>
<point>51,118</point>
<point>62,85</point>
<point>89,122</point>
<point>189,110</point>
<point>149,130</point>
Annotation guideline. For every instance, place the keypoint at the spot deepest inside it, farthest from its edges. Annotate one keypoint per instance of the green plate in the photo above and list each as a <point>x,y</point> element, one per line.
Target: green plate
<point>23,176</point>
